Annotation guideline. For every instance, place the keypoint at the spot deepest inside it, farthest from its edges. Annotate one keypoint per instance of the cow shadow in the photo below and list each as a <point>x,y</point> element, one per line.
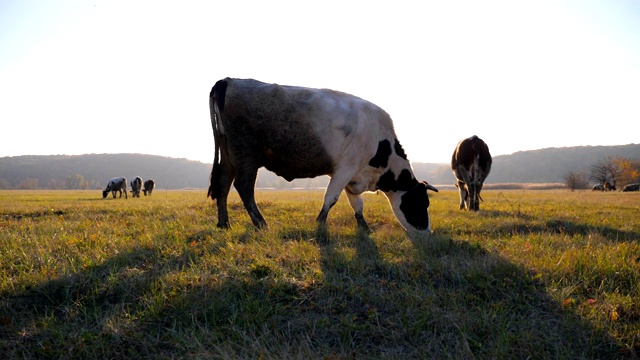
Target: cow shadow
<point>443,289</point>
<point>569,228</point>
<point>375,305</point>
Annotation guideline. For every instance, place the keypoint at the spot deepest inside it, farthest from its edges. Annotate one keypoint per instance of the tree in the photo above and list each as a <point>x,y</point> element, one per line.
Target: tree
<point>576,180</point>
<point>76,182</point>
<point>608,169</point>
<point>630,170</point>
<point>5,184</point>
<point>28,184</point>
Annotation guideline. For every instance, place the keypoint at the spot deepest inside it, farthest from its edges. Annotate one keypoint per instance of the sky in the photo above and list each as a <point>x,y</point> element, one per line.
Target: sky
<point>112,76</point>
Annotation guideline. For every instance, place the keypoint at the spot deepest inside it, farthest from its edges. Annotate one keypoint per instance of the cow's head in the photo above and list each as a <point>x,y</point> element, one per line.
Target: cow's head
<point>411,207</point>
<point>105,193</point>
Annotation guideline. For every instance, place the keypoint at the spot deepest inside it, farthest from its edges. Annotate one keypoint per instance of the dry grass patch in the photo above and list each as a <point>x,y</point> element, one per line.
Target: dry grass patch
<point>539,274</point>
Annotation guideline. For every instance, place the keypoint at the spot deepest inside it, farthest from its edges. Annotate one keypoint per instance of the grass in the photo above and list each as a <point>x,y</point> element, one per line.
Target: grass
<point>535,274</point>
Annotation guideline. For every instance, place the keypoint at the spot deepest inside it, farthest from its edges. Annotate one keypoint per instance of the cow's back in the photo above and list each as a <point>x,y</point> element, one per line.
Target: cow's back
<point>467,151</point>
<point>294,131</point>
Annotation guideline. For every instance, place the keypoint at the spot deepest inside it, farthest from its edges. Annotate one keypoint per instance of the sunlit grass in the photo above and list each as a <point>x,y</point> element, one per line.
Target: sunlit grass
<point>540,274</point>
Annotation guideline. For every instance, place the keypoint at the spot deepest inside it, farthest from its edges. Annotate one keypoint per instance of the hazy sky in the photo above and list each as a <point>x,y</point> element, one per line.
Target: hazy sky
<point>96,76</point>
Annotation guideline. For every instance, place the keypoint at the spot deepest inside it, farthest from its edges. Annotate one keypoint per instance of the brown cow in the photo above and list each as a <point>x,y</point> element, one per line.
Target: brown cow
<point>607,186</point>
<point>471,163</point>
<point>149,185</point>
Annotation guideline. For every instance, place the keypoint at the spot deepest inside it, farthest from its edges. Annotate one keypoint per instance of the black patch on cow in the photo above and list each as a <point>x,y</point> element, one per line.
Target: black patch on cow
<point>382,155</point>
<point>399,150</point>
<point>219,90</point>
<point>388,182</point>
<point>414,204</point>
<point>406,181</point>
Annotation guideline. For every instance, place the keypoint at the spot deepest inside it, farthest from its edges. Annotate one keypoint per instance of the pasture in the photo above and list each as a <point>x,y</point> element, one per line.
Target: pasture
<point>535,274</point>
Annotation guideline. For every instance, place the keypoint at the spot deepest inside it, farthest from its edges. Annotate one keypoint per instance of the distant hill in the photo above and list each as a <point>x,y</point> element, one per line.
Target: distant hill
<point>93,171</point>
<point>96,169</point>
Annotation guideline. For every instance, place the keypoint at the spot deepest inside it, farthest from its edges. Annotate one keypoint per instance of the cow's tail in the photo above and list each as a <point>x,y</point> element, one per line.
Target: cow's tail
<point>216,105</point>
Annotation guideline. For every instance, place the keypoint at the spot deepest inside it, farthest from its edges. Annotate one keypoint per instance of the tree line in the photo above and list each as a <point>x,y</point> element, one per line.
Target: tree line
<point>615,170</point>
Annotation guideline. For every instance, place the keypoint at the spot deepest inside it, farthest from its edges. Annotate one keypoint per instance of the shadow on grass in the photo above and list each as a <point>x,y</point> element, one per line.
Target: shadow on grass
<point>568,228</point>
<point>454,299</point>
<point>451,299</point>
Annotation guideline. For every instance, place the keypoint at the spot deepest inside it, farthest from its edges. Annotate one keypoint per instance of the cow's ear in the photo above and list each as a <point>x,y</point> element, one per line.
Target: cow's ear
<point>429,187</point>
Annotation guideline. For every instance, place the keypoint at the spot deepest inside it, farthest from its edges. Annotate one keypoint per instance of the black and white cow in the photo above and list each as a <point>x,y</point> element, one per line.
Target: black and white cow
<point>299,132</point>
<point>471,164</point>
<point>117,184</point>
<point>607,186</point>
<point>631,187</point>
<point>597,187</point>
<point>136,184</point>
<point>148,187</point>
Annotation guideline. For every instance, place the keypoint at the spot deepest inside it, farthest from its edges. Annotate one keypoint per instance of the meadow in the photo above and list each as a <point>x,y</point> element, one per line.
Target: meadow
<point>535,274</point>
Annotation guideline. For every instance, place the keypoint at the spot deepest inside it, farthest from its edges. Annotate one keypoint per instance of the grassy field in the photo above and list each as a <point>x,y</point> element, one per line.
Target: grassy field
<point>535,274</point>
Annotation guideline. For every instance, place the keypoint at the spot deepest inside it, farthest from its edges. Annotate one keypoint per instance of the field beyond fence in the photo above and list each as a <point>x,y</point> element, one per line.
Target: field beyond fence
<point>550,274</point>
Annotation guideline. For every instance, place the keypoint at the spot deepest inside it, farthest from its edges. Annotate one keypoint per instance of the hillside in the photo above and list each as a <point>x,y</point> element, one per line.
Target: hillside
<point>92,171</point>
<point>96,170</point>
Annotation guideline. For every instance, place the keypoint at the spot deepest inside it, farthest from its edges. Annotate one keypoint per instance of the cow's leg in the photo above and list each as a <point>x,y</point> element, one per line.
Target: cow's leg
<point>338,182</point>
<point>245,184</point>
<point>125,193</point>
<point>226,175</point>
<point>463,194</point>
<point>478,188</point>
<point>357,204</point>
<point>473,197</point>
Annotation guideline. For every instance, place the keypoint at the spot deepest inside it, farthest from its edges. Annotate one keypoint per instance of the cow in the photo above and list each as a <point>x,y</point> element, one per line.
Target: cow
<point>117,184</point>
<point>136,184</point>
<point>607,186</point>
<point>298,132</point>
<point>148,187</point>
<point>597,187</point>
<point>471,164</point>
<point>631,187</point>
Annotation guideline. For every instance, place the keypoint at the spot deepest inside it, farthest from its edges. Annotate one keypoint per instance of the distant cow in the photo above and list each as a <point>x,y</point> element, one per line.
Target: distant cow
<point>597,187</point>
<point>148,187</point>
<point>607,186</point>
<point>117,184</point>
<point>631,187</point>
<point>299,132</point>
<point>136,184</point>
<point>471,164</point>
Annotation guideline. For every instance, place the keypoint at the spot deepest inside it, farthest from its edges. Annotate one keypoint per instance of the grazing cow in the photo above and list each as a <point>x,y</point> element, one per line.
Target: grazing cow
<point>471,163</point>
<point>631,187</point>
<point>136,184</point>
<point>148,187</point>
<point>607,186</point>
<point>597,187</point>
<point>299,132</point>
<point>117,184</point>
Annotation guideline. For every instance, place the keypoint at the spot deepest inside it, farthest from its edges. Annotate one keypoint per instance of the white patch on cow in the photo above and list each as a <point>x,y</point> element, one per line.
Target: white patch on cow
<point>217,113</point>
<point>115,181</point>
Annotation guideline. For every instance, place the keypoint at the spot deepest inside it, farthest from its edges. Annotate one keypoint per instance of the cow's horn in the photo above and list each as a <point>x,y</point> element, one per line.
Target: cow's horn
<point>430,187</point>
